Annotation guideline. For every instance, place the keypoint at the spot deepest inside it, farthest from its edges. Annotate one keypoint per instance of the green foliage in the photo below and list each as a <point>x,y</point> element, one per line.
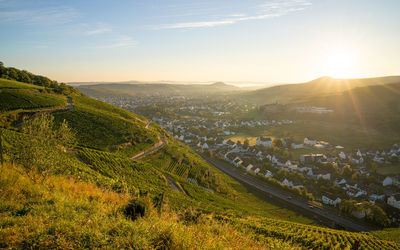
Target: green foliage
<point>103,126</point>
<point>38,151</point>
<point>12,99</point>
<point>311,237</point>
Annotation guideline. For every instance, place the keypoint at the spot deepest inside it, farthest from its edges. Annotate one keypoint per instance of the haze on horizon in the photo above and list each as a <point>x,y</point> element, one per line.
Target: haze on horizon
<point>231,41</point>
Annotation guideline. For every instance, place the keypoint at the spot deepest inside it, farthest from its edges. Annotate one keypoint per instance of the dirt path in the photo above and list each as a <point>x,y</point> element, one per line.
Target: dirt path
<point>39,112</point>
<point>172,184</point>
<point>161,142</point>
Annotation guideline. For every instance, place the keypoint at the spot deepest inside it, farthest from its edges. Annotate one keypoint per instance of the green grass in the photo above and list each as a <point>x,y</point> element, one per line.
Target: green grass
<point>389,170</point>
<point>103,126</point>
<point>349,136</point>
<point>12,99</point>
<point>9,84</point>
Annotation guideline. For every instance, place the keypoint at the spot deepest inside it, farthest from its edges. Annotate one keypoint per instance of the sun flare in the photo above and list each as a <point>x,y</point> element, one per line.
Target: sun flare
<point>340,64</point>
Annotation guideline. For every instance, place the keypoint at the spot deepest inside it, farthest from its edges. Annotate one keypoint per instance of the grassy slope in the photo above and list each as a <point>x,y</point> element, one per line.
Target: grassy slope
<point>15,95</point>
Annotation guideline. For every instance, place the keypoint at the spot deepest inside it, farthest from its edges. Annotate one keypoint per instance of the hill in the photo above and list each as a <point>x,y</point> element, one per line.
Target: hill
<point>156,89</point>
<point>325,85</point>
<point>371,106</point>
<point>110,178</point>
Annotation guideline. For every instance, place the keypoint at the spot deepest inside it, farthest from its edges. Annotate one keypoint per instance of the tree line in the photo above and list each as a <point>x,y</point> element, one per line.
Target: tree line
<point>11,73</point>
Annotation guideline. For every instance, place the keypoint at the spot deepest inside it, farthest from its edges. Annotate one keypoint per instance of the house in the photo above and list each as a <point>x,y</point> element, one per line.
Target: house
<point>286,182</point>
<point>249,167</point>
<point>312,158</point>
<point>330,200</point>
<point>269,174</point>
<point>394,201</point>
<point>309,141</point>
<point>257,170</point>
<point>237,162</point>
<point>264,141</point>
<point>297,145</point>
<point>342,155</point>
<point>324,176</point>
<point>205,146</point>
<point>387,181</point>
<point>341,182</point>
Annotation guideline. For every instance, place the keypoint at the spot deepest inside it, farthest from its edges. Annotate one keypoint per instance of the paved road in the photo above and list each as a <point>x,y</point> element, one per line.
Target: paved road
<point>272,191</point>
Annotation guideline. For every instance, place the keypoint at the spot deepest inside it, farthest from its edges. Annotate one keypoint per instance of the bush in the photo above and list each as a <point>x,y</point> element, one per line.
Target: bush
<point>137,208</point>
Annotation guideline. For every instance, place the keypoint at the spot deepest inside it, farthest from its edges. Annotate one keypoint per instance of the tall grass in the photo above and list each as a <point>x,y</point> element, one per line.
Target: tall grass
<point>66,213</point>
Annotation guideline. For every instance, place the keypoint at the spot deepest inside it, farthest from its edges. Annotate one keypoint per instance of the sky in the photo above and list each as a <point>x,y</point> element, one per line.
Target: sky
<point>203,40</point>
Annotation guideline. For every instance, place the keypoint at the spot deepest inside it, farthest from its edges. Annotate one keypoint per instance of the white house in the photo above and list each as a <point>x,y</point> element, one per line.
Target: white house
<point>394,201</point>
<point>325,176</point>
<point>296,146</point>
<point>269,174</point>
<point>330,200</point>
<point>387,181</point>
<point>257,170</point>
<point>264,141</point>
<point>286,182</point>
<point>249,167</point>
<point>342,155</point>
<point>310,141</point>
<point>237,161</point>
<point>205,146</point>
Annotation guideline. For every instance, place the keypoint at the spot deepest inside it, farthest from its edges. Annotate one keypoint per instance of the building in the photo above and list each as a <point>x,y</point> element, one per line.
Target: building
<point>329,199</point>
<point>264,141</point>
<point>394,201</point>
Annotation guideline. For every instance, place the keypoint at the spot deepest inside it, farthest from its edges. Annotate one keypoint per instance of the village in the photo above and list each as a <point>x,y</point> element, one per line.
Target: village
<point>343,179</point>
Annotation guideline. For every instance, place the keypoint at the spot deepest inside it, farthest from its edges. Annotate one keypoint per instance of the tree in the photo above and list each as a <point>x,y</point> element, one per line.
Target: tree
<point>40,151</point>
<point>278,143</point>
<point>246,143</point>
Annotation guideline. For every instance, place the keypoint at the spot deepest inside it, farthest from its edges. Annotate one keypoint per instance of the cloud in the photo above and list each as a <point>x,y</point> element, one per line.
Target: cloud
<point>266,10</point>
<point>49,15</point>
<point>121,42</point>
<point>98,30</point>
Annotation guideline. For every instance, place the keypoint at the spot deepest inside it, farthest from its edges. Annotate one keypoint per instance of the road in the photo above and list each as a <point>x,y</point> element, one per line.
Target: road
<point>282,196</point>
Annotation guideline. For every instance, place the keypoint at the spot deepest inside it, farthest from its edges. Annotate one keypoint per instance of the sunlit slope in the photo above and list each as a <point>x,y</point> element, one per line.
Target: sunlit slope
<point>321,86</point>
<point>372,106</point>
<point>15,95</point>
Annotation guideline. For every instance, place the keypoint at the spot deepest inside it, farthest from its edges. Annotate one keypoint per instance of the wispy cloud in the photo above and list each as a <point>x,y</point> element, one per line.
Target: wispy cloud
<point>98,31</point>
<point>48,15</point>
<point>100,28</point>
<point>266,10</point>
<point>120,42</point>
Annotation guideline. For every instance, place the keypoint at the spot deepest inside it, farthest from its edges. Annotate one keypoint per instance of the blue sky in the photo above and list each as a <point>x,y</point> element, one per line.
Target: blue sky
<point>220,40</point>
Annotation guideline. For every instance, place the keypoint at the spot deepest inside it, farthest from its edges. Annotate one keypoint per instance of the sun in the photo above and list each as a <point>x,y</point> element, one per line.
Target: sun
<point>340,64</point>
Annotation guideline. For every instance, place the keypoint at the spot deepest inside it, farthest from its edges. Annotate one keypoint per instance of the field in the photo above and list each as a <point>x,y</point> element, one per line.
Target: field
<point>348,136</point>
<point>389,170</point>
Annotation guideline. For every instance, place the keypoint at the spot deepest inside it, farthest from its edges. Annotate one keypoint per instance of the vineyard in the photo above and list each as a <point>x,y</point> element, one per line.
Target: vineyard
<point>310,236</point>
<point>98,126</point>
<point>12,99</point>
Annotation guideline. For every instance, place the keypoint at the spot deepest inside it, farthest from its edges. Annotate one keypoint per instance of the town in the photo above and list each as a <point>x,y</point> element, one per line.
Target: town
<point>339,178</point>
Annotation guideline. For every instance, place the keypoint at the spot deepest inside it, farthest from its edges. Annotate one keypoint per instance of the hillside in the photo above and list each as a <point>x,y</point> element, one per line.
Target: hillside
<point>162,89</point>
<point>325,85</point>
<point>371,106</point>
<point>83,183</point>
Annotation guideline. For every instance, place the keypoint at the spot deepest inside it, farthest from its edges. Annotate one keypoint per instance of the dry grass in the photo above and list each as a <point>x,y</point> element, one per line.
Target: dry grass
<point>66,213</point>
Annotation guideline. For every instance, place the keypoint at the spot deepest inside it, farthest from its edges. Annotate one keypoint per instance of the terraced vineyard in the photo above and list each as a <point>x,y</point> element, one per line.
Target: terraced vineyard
<point>14,95</point>
<point>311,236</point>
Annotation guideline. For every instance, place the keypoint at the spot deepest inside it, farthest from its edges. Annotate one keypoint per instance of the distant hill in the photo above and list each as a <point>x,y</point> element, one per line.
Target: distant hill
<point>325,85</point>
<point>161,89</point>
<point>375,106</point>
